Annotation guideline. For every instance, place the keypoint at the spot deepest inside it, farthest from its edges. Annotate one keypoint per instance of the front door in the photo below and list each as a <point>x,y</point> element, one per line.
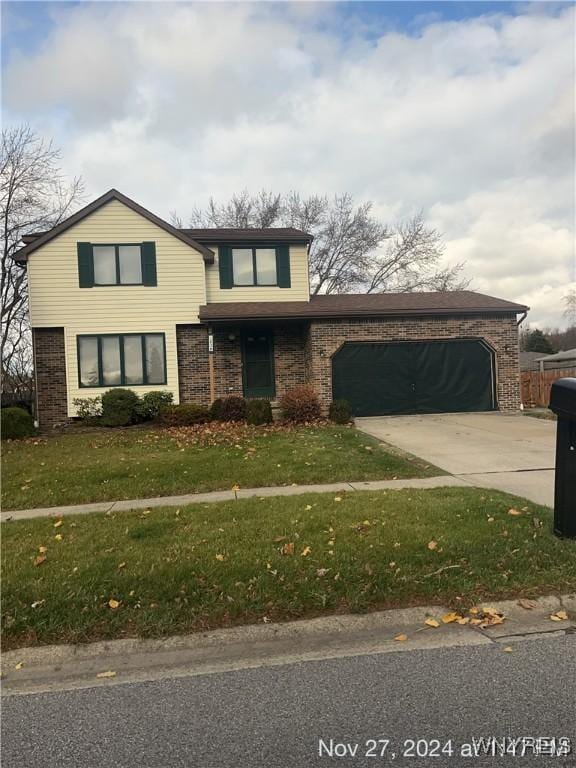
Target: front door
<point>258,363</point>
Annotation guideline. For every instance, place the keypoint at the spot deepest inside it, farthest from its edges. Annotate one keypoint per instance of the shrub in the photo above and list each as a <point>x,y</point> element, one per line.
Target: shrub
<point>88,408</point>
<point>233,409</point>
<point>16,423</point>
<point>119,407</point>
<point>184,415</point>
<point>216,409</point>
<point>152,403</point>
<point>258,412</point>
<point>340,412</point>
<point>300,404</point>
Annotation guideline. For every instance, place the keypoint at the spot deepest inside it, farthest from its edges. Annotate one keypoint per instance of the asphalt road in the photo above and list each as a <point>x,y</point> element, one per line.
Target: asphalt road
<point>275,717</point>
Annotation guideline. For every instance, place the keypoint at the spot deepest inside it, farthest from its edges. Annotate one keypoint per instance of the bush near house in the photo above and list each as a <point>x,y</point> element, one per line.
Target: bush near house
<point>300,404</point>
<point>184,415</point>
<point>88,409</point>
<point>152,403</point>
<point>340,411</point>
<point>216,409</point>
<point>233,409</point>
<point>258,412</point>
<point>119,407</point>
<point>16,423</point>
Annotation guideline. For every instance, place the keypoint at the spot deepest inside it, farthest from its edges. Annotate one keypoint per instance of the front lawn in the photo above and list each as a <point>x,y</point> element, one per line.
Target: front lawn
<point>172,571</point>
<point>106,465</point>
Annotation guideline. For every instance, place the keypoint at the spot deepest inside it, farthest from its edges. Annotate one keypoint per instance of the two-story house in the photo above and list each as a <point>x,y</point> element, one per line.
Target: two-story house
<point>119,297</point>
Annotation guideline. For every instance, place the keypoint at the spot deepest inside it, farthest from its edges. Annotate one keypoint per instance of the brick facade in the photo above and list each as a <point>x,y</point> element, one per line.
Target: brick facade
<point>301,354</point>
<point>500,332</point>
<point>193,367</point>
<point>193,371</point>
<point>50,371</point>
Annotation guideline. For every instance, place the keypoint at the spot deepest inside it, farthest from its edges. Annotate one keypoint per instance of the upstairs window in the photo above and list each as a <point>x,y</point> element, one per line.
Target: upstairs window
<point>129,359</point>
<point>122,264</point>
<point>254,266</point>
<point>117,264</point>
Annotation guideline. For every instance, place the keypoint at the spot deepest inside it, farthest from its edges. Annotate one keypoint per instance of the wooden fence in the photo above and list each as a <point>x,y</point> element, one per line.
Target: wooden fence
<point>535,385</point>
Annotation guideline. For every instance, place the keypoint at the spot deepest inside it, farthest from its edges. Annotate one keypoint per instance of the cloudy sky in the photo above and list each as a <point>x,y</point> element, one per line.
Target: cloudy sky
<point>462,110</point>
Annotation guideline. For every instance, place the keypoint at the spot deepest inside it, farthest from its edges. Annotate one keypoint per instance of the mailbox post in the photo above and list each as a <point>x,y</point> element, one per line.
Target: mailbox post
<point>563,404</point>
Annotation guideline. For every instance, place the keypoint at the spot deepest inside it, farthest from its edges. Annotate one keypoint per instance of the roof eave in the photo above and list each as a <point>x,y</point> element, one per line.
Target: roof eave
<point>21,256</point>
<point>356,314</point>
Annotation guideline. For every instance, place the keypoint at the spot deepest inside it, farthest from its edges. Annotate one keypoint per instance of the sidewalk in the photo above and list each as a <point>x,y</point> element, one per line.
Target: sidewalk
<point>231,495</point>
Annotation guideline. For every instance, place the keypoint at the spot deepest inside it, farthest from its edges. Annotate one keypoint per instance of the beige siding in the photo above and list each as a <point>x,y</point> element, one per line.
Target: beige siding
<point>298,291</point>
<point>56,300</point>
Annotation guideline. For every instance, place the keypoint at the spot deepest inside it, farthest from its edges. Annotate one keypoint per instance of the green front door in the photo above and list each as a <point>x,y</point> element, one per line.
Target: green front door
<point>258,363</point>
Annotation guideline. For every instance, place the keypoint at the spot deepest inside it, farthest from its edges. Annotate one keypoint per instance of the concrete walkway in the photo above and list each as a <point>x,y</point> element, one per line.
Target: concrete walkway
<point>512,453</point>
<point>243,493</point>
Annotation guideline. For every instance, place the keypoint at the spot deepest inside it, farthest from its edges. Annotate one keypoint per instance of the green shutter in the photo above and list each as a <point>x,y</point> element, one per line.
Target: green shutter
<point>149,264</point>
<point>85,265</point>
<point>283,266</point>
<point>225,267</point>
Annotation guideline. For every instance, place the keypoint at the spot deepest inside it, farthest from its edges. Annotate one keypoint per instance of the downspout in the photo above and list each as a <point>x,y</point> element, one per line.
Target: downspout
<point>211,364</point>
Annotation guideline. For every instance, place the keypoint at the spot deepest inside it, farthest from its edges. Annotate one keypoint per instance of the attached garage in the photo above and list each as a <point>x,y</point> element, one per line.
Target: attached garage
<point>428,376</point>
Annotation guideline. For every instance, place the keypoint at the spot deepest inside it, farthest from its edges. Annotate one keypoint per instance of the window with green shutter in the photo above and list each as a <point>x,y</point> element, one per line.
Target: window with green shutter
<point>106,264</point>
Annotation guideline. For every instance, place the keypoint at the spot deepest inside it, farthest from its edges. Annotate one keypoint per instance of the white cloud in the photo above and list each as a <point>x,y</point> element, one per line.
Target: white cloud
<point>472,121</point>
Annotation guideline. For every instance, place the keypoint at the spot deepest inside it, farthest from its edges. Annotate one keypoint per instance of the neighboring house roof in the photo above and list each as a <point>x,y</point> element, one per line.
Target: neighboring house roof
<point>235,235</point>
<point>33,243</point>
<point>362,305</point>
<point>567,354</point>
<point>528,360</point>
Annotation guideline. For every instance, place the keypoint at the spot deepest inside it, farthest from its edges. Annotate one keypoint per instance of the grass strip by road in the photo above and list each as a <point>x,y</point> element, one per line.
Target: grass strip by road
<point>172,571</point>
<point>103,465</point>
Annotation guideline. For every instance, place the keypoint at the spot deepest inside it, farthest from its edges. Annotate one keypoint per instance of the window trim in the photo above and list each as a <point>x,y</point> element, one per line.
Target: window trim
<point>116,247</point>
<point>123,383</point>
<point>254,248</point>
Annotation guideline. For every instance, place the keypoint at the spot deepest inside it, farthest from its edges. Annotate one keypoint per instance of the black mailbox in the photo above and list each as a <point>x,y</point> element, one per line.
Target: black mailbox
<point>563,403</point>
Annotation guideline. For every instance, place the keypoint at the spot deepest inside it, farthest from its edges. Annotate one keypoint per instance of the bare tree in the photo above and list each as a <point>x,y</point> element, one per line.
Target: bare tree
<point>352,250</point>
<point>570,310</point>
<point>34,196</point>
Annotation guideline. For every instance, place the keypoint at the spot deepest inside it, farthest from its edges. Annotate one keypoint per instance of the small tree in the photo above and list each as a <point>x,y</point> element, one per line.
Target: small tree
<point>536,341</point>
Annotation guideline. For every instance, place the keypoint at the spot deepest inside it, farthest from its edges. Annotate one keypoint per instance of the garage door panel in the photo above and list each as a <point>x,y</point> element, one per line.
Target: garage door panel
<point>414,377</point>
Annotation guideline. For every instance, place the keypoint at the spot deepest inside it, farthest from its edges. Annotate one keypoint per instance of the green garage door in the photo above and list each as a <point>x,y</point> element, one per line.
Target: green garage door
<point>414,377</point>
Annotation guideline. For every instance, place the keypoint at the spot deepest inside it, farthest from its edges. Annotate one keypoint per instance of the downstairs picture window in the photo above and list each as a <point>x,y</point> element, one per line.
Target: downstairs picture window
<point>115,360</point>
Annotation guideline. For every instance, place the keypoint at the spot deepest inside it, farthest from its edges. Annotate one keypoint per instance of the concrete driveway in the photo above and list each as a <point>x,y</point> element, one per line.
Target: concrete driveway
<point>512,453</point>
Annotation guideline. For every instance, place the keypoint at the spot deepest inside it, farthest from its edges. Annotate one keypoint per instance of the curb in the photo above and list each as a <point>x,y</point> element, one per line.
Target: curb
<point>67,667</point>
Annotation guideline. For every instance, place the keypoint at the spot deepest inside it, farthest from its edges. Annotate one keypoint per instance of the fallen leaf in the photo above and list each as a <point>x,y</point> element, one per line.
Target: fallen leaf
<point>58,523</point>
<point>220,558</point>
<point>526,604</point>
<point>450,617</point>
<point>278,539</point>
<point>109,673</point>
<point>58,537</point>
<point>432,544</point>
<point>36,603</point>
<point>42,550</point>
<point>368,569</point>
<point>432,623</point>
<point>473,611</point>
<point>19,665</point>
<point>559,616</point>
<point>508,649</point>
<point>288,548</point>
<point>401,638</point>
<point>490,519</point>
<point>113,604</point>
<point>463,620</point>
<point>121,565</point>
<point>305,552</point>
<point>337,498</point>
<point>514,512</point>
<point>39,559</point>
<point>322,571</point>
